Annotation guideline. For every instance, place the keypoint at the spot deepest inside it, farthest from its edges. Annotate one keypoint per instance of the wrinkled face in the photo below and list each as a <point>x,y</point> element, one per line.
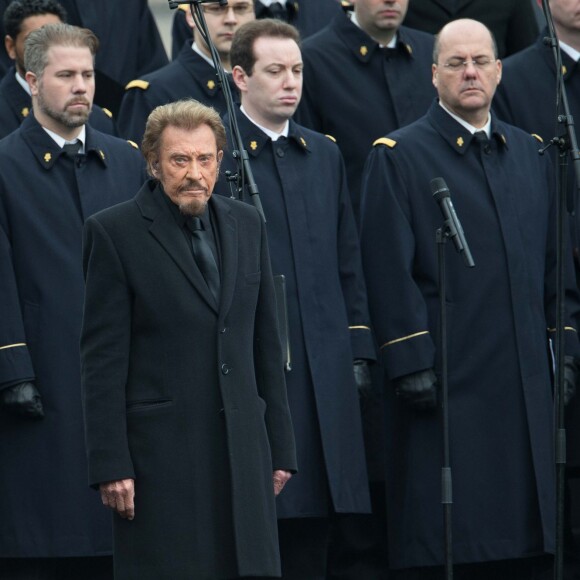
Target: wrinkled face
<point>222,22</point>
<point>188,166</point>
<point>64,93</point>
<point>566,14</point>
<point>466,90</point>
<point>378,16</point>
<point>15,46</point>
<point>272,93</point>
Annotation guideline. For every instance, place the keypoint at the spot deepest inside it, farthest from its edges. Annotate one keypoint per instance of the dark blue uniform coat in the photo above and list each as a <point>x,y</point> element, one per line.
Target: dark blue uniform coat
<point>526,98</point>
<point>130,43</point>
<point>16,105</point>
<point>499,313</point>
<point>184,396</point>
<point>357,92</point>
<point>47,507</point>
<point>189,76</point>
<point>512,22</point>
<point>313,243</point>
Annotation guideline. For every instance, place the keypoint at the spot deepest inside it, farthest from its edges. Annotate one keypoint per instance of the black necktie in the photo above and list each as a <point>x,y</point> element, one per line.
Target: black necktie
<point>71,149</point>
<point>480,137</point>
<point>204,257</point>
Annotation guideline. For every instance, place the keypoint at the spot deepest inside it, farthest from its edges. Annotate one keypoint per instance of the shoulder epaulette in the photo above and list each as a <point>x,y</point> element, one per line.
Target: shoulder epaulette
<point>537,137</point>
<point>184,7</point>
<point>331,138</point>
<point>138,84</point>
<point>385,141</point>
<point>132,143</point>
<point>107,112</point>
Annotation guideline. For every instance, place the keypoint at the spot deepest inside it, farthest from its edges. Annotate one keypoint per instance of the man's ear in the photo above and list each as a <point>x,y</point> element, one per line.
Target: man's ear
<point>189,18</point>
<point>9,44</point>
<point>240,77</point>
<point>32,81</point>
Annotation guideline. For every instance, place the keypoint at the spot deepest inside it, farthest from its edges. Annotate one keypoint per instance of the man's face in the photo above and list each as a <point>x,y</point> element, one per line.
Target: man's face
<point>466,90</point>
<point>188,166</point>
<point>64,93</point>
<point>15,46</point>
<point>222,23</point>
<point>379,16</point>
<point>272,93</point>
<point>566,14</point>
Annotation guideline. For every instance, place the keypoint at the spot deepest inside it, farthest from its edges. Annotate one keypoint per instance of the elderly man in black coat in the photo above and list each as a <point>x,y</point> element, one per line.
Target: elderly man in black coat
<point>51,524</point>
<point>188,429</point>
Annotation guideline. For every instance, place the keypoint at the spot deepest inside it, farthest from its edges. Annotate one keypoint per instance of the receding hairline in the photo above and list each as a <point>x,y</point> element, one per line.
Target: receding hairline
<point>440,37</point>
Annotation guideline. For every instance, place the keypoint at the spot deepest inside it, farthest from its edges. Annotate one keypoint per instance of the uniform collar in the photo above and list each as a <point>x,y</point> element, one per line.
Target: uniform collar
<point>569,65</point>
<point>47,151</point>
<point>457,136</point>
<point>362,45</point>
<point>202,71</point>
<point>254,138</point>
<point>17,97</point>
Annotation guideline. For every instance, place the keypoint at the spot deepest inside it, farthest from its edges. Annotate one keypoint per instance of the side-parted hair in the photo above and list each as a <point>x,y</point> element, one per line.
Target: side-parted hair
<point>187,114</point>
<point>242,50</point>
<point>39,41</point>
<point>437,44</point>
<point>19,10</point>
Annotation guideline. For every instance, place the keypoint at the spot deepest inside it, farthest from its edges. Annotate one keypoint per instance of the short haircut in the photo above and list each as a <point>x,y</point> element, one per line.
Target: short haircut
<point>39,41</point>
<point>437,44</point>
<point>187,114</point>
<point>242,50</point>
<point>19,10</point>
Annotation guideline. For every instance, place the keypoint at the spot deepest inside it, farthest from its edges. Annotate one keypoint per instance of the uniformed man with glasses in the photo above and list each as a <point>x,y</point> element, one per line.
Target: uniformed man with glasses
<point>191,74</point>
<point>500,315</point>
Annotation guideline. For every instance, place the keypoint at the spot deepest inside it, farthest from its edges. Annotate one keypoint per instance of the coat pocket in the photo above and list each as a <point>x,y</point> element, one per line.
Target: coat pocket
<point>147,405</point>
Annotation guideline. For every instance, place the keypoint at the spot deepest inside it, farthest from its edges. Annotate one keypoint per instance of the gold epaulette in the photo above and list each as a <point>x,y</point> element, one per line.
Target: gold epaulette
<point>138,84</point>
<point>184,7</point>
<point>132,143</point>
<point>107,112</point>
<point>331,138</point>
<point>385,141</point>
<point>537,137</point>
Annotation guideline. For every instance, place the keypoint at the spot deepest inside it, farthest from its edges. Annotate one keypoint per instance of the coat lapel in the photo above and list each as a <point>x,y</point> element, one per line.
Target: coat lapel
<point>164,229</point>
<point>227,227</point>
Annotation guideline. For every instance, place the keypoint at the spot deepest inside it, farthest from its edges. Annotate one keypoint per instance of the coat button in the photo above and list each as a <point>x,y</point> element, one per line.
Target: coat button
<point>225,369</point>
<point>280,152</point>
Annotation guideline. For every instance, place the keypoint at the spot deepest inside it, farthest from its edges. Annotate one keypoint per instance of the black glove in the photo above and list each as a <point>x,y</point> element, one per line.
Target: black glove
<point>571,368</point>
<point>362,377</point>
<point>22,400</point>
<point>419,390</point>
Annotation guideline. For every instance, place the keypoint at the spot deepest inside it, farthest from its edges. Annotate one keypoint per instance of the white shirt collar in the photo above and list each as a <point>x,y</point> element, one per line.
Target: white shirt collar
<point>60,141</point>
<point>268,2</point>
<point>272,134</point>
<point>570,51</point>
<point>468,126</point>
<point>196,49</point>
<point>23,83</point>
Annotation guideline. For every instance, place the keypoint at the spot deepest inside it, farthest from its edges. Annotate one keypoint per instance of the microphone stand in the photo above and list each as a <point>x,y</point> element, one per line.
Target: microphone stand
<point>567,145</point>
<point>442,235</point>
<point>244,177</point>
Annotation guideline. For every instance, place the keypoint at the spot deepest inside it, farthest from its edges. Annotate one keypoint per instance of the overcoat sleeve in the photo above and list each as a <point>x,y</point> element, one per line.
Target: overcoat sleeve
<point>105,341</point>
<point>398,310</point>
<point>269,368</point>
<point>351,276</point>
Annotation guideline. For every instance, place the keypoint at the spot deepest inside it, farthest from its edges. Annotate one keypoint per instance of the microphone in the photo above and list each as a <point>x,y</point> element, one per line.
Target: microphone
<point>442,196</point>
<point>173,4</point>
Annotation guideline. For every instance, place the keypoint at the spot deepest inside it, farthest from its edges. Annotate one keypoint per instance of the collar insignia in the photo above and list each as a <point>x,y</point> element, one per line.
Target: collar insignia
<point>460,141</point>
<point>47,157</point>
<point>363,50</point>
<point>25,112</point>
<point>302,141</point>
<point>102,154</point>
<point>211,85</point>
<point>253,145</point>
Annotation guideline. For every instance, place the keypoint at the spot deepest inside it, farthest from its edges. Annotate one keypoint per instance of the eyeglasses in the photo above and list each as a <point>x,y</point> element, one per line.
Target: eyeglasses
<point>218,10</point>
<point>479,62</point>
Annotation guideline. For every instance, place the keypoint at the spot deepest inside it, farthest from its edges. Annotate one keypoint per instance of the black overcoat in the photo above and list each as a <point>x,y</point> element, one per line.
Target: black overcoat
<point>187,398</point>
<point>314,244</point>
<point>500,315</point>
<point>357,91</point>
<point>47,508</point>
